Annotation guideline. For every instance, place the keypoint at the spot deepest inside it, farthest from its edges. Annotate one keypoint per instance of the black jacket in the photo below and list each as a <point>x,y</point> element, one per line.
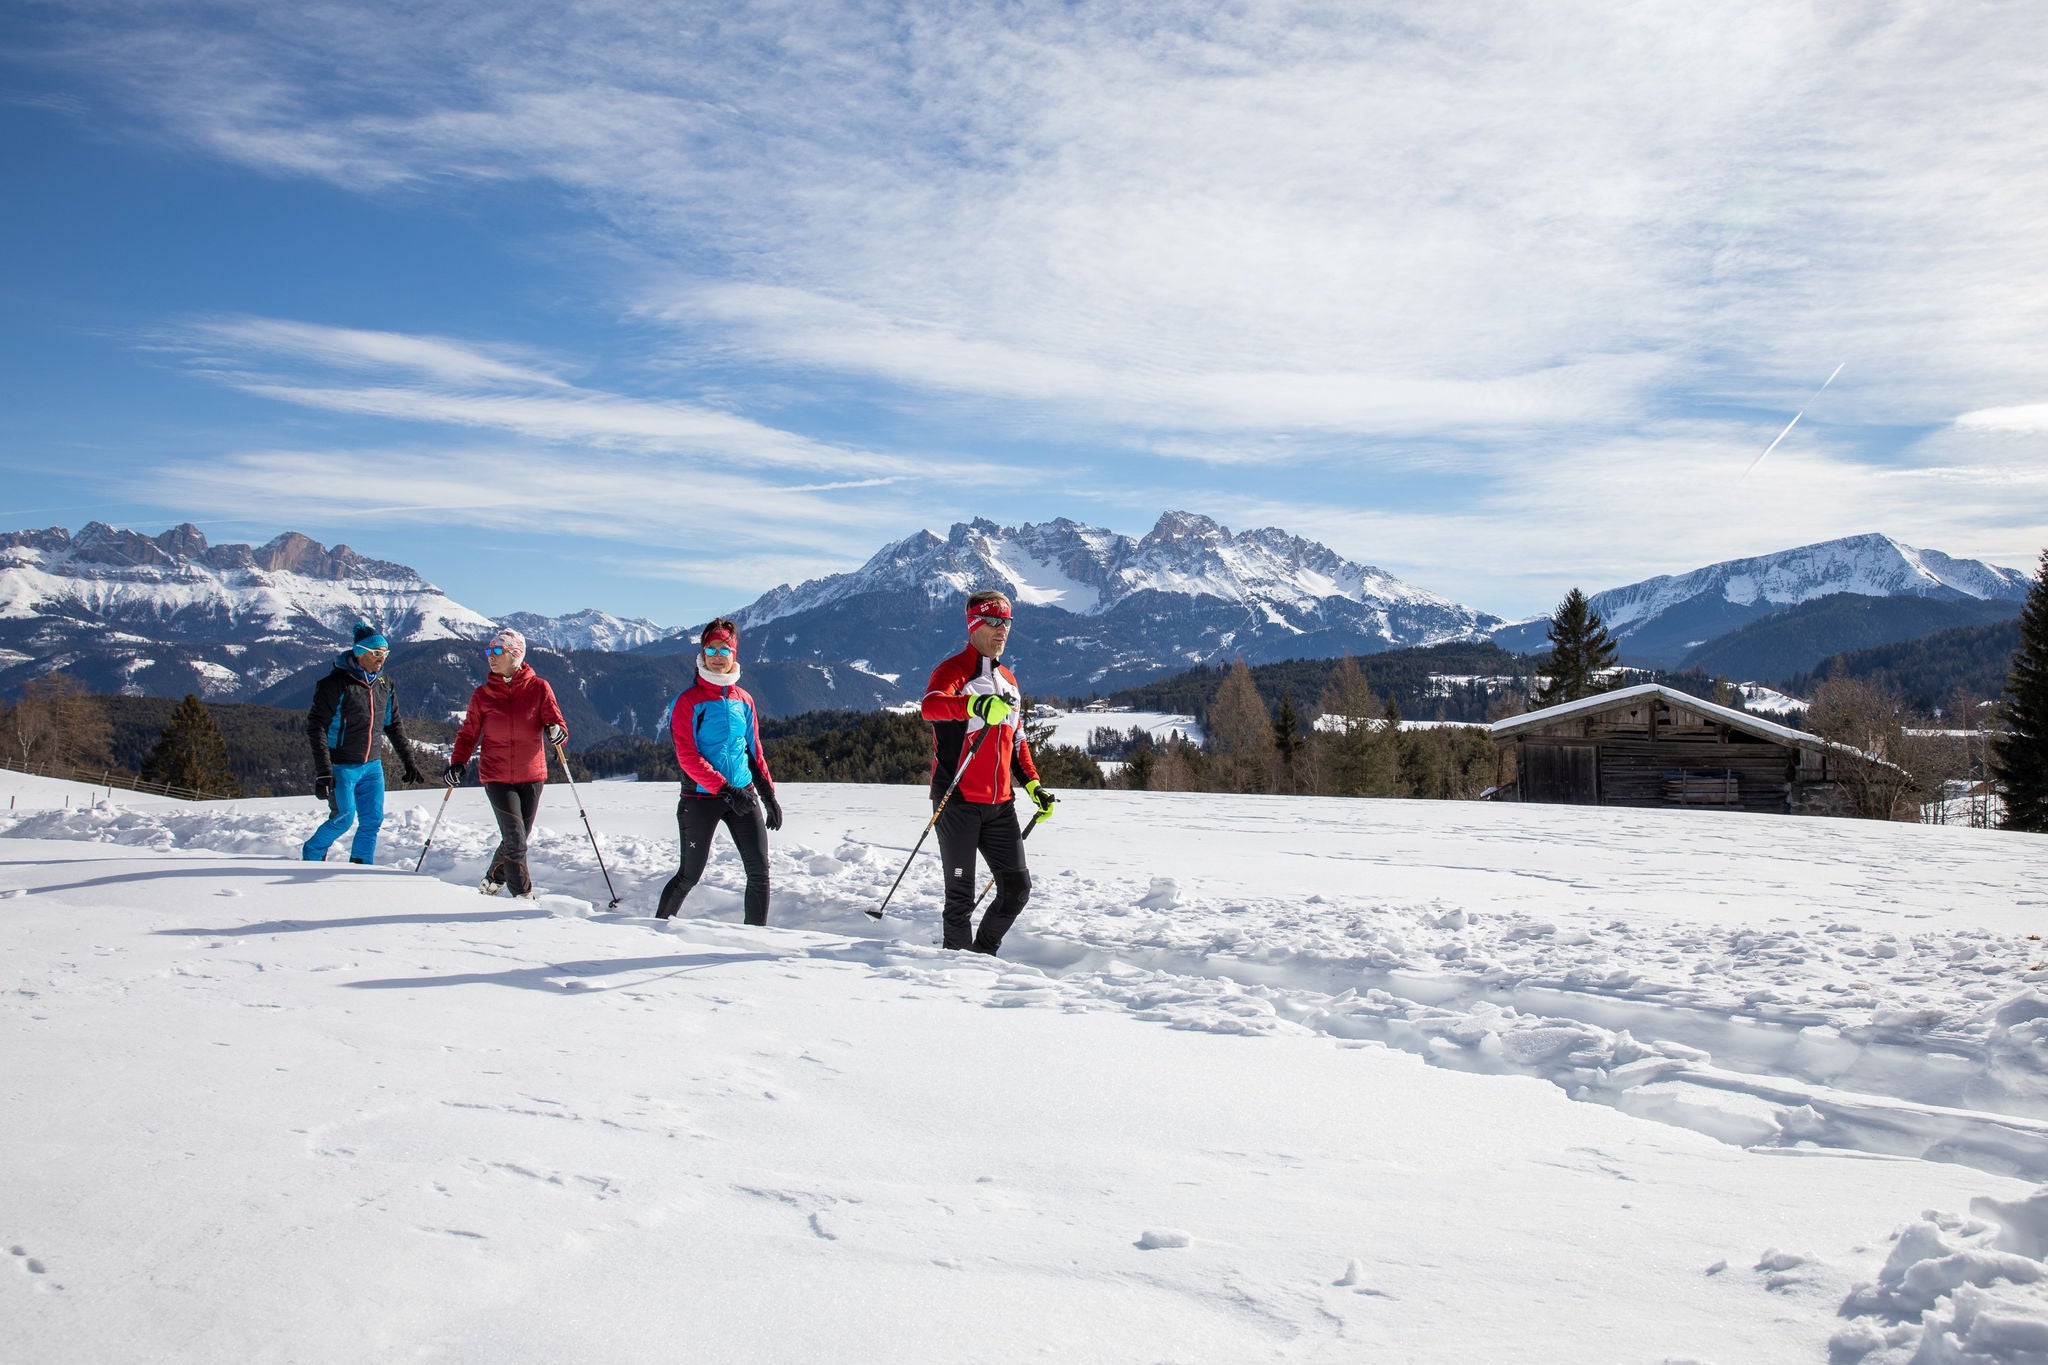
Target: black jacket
<point>349,708</point>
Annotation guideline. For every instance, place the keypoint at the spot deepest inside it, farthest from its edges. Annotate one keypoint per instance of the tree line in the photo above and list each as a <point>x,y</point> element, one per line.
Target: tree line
<point>1349,742</point>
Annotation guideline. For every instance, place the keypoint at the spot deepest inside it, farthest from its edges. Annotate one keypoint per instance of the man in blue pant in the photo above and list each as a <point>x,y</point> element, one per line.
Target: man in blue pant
<point>350,706</point>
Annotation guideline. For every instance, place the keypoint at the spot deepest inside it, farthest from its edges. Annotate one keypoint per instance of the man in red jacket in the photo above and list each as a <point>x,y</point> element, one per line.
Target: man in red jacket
<point>972,703</point>
<point>510,720</point>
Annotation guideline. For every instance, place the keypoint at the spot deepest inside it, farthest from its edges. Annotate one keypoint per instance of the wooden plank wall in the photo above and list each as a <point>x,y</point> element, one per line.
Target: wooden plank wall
<point>1632,771</point>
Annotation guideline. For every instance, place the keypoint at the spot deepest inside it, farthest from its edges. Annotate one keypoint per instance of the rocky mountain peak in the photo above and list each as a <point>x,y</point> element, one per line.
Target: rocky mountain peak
<point>1186,526</point>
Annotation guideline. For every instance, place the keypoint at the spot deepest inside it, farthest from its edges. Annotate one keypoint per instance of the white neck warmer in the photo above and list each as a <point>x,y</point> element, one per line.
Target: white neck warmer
<point>719,679</point>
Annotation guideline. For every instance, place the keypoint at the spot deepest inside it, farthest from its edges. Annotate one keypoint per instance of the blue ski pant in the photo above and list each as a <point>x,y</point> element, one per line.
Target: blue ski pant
<point>359,801</point>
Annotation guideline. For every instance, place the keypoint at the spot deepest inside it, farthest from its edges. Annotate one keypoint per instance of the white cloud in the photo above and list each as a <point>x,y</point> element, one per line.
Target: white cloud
<point>732,527</point>
<point>1545,244</point>
<point>1669,500</point>
<point>2029,417</point>
<point>440,359</point>
<point>454,383</point>
<point>1367,217</point>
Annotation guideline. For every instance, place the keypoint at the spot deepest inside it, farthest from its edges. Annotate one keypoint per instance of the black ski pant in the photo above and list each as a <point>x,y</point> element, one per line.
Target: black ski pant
<point>965,829</point>
<point>515,804</point>
<point>697,819</point>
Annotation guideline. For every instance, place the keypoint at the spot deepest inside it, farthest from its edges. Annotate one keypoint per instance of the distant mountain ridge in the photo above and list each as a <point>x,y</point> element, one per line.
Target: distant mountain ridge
<point>1096,608</point>
<point>166,614</point>
<point>1660,620</point>
<point>1794,640</point>
<point>586,629</point>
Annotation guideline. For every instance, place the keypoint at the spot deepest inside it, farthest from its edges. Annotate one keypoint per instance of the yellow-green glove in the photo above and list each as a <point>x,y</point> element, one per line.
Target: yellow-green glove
<point>990,709</point>
<point>1041,798</point>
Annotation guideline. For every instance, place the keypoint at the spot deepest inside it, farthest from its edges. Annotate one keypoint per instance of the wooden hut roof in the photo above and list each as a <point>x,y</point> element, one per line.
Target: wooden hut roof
<point>1729,716</point>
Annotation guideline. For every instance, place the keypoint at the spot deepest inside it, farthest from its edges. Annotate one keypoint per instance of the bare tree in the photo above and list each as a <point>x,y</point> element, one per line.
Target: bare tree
<point>1871,723</point>
<point>57,721</point>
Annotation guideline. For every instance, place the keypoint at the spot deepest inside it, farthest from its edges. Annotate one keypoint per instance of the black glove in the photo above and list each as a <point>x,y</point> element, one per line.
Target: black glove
<point>740,801</point>
<point>453,777</point>
<point>557,736</point>
<point>323,788</point>
<point>410,770</point>
<point>771,805</point>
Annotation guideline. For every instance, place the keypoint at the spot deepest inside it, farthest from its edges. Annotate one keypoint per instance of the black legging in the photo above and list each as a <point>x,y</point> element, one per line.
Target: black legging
<point>697,819</point>
<point>515,804</point>
<point>965,829</point>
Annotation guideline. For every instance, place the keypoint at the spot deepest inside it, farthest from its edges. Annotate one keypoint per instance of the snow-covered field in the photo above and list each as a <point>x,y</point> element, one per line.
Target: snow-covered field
<point>1257,1078</point>
<point>1074,728</point>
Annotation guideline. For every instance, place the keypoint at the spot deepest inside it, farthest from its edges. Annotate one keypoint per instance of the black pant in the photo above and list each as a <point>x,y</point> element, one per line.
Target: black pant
<point>965,829</point>
<point>697,819</point>
<point>515,804</point>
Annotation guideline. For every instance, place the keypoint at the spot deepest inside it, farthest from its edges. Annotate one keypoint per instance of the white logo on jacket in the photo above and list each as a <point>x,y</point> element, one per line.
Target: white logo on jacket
<point>989,682</point>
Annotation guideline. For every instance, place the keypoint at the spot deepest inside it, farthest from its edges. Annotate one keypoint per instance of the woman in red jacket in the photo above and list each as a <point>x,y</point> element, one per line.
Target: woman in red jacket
<point>509,720</point>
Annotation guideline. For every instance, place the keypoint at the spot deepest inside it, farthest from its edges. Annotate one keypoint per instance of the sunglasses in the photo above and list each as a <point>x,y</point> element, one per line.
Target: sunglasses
<point>495,651</point>
<point>718,651</point>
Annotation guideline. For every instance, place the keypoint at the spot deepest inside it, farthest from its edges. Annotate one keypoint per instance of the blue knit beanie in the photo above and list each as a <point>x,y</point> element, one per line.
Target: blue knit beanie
<point>368,637</point>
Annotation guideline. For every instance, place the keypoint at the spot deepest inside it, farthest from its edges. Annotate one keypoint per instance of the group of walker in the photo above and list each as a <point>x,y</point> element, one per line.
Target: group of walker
<point>981,761</point>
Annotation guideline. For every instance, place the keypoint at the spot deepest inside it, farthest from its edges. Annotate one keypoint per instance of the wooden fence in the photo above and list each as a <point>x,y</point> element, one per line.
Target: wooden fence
<point>108,778</point>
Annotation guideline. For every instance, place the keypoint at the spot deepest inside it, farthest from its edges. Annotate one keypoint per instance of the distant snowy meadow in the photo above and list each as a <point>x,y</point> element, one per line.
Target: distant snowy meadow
<point>1257,1078</point>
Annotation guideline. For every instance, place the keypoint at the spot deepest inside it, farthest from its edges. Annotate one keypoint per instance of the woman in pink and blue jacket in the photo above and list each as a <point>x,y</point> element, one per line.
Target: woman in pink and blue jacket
<point>725,775</point>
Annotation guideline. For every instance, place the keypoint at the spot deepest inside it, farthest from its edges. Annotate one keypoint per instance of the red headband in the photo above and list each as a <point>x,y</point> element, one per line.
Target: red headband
<point>717,633</point>
<point>995,609</point>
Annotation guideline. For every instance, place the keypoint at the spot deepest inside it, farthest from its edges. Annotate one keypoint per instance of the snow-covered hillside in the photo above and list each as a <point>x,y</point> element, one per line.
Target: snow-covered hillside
<point>586,629</point>
<point>1663,617</point>
<point>1257,1078</point>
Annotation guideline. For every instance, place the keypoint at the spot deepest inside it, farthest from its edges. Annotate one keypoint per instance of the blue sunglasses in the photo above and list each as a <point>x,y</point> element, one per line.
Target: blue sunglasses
<point>721,651</point>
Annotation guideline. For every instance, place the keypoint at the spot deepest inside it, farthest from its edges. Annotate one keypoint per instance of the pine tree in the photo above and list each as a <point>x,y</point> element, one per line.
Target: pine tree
<point>1579,648</point>
<point>191,753</point>
<point>1361,756</point>
<point>1241,734</point>
<point>1287,730</point>
<point>2019,756</point>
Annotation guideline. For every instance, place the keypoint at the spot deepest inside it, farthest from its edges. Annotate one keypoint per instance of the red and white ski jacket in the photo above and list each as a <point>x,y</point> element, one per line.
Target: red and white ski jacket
<point>1004,758</point>
<point>506,721</point>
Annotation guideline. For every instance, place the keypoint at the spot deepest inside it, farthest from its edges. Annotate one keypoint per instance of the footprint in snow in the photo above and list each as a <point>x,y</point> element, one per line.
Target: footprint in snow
<point>1159,1239</point>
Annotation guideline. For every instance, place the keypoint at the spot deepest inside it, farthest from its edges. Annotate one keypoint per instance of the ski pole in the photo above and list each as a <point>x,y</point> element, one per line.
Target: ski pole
<point>992,876</point>
<point>937,811</point>
<point>563,754</point>
<point>433,828</point>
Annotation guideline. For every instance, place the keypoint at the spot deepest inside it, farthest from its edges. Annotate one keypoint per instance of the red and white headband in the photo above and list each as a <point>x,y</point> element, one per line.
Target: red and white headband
<point>981,613</point>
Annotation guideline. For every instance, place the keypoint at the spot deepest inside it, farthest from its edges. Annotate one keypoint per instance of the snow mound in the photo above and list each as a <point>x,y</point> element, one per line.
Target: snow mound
<point>1956,1291</point>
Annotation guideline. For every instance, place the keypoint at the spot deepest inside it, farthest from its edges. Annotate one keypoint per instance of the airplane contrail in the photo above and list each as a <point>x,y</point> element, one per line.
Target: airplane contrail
<point>1793,423</point>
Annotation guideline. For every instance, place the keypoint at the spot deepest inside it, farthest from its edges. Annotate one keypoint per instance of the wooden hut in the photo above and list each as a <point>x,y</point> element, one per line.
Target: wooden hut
<point>1655,746</point>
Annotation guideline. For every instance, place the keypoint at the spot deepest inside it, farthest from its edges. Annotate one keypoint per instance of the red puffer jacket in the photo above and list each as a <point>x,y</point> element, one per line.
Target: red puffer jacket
<point>506,719</point>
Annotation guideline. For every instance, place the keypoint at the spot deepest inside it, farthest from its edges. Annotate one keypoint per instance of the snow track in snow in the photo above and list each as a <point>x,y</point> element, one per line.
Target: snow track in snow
<point>1888,1010</point>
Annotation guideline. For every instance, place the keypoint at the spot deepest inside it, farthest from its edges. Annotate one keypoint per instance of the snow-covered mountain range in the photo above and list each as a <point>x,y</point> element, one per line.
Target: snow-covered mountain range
<point>168,614</point>
<point>586,629</point>
<point>1097,609</point>
<point>1660,620</point>
<point>176,584</point>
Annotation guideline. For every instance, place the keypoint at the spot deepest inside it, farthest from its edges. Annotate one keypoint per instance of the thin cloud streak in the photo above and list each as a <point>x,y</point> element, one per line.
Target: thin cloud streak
<point>1195,199</point>
<point>499,396</point>
<point>441,359</point>
<point>545,493</point>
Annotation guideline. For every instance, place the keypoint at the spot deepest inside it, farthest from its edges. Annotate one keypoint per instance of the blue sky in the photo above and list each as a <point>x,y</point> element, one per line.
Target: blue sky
<point>652,307</point>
